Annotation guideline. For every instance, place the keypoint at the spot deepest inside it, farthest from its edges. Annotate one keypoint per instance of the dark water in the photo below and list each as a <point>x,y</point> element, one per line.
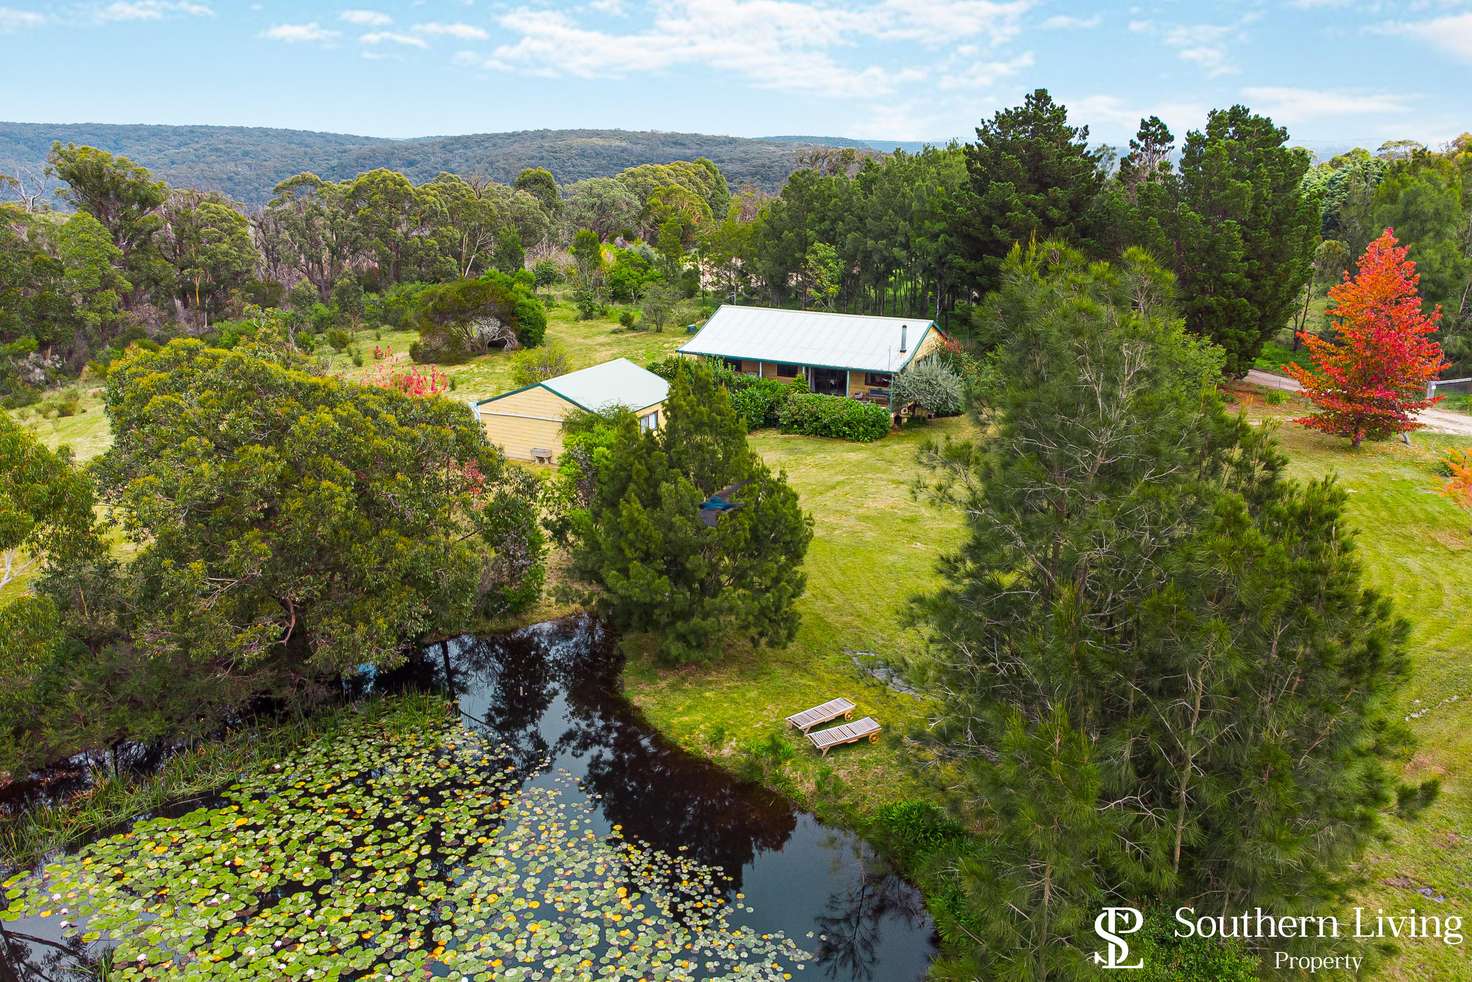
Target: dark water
<point>550,695</point>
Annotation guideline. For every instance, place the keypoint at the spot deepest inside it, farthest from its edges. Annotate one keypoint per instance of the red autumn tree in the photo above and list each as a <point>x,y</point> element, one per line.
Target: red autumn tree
<point>1369,380</point>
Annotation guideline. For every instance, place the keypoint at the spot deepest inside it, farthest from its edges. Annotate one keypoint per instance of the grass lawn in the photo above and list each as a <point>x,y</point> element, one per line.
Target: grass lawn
<point>587,342</point>
<point>1416,547</point>
<point>873,548</point>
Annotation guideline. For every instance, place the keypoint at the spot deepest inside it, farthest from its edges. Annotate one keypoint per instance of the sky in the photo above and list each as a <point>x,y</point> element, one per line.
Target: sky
<point>1332,71</point>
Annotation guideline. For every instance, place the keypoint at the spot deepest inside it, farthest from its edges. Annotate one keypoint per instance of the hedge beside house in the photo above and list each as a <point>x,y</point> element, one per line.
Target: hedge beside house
<point>811,414</point>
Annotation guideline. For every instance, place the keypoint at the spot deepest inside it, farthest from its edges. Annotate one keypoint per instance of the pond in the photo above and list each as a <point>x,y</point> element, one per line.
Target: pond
<point>537,829</point>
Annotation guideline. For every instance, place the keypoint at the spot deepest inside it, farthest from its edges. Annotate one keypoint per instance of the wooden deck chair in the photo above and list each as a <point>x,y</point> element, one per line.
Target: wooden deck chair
<point>837,736</point>
<point>826,713</point>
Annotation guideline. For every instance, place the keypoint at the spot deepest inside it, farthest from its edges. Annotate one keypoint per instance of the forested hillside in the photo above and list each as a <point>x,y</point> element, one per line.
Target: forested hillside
<point>245,162</point>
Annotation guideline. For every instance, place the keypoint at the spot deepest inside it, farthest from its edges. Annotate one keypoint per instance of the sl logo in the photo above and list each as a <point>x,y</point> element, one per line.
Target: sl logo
<point>1109,925</point>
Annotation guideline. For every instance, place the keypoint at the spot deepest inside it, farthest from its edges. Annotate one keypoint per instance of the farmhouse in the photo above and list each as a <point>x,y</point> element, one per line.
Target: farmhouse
<point>838,354</point>
<point>526,423</point>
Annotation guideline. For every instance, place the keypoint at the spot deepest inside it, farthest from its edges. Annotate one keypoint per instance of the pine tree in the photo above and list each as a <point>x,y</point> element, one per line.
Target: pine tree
<point>1369,379</point>
<point>653,568</point>
<point>1236,228</point>
<point>1137,564</point>
<point>1032,177</point>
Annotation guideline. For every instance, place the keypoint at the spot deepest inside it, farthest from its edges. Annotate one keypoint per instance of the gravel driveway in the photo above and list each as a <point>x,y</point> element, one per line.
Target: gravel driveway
<point>1435,420</point>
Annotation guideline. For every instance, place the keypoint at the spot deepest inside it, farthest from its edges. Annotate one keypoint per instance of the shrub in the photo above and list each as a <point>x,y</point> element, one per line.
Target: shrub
<point>585,299</point>
<point>460,320</point>
<point>64,403</point>
<point>630,273</point>
<point>834,416</point>
<point>759,401</point>
<point>1168,958</point>
<point>395,306</point>
<point>628,318</point>
<point>914,829</point>
<point>930,384</point>
<point>339,338</point>
<point>545,273</point>
<point>537,364</point>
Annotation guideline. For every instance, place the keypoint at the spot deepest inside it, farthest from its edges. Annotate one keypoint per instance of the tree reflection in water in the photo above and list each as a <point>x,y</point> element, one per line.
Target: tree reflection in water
<point>553,692</point>
<point>30,958</point>
<point>551,695</point>
<point>853,927</point>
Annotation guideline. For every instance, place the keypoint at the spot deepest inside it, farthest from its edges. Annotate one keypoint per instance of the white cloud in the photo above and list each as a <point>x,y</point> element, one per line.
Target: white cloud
<point>366,18</point>
<point>614,8</point>
<point>301,33</point>
<point>464,32</point>
<point>12,19</point>
<point>390,37</point>
<point>1204,45</point>
<point>1293,105</point>
<point>984,74</point>
<point>1451,34</point>
<point>938,22</point>
<point>1065,22</point>
<point>125,10</point>
<point>1107,114</point>
<point>776,44</point>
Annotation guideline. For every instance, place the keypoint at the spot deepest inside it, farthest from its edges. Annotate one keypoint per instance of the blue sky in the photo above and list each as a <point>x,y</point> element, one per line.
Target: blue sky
<point>1333,71</point>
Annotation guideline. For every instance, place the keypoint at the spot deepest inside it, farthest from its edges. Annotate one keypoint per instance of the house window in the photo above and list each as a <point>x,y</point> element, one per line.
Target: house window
<point>877,380</point>
<point>734,364</point>
<point>649,423</point>
<point>787,371</point>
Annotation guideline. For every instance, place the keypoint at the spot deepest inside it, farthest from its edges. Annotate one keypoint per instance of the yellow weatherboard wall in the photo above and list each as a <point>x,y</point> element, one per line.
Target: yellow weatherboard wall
<point>532,418</point>
<point>527,419</point>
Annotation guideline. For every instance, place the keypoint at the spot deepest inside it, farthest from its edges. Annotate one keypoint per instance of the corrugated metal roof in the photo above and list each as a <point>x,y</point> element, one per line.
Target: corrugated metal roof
<point>614,383</point>
<point>810,337</point>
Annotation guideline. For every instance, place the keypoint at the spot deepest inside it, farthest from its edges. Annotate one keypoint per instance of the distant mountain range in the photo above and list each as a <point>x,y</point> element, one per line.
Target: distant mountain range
<point>246,162</point>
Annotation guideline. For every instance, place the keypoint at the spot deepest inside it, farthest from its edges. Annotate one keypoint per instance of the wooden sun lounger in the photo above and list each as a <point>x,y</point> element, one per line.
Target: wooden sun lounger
<point>826,740</point>
<point>826,713</point>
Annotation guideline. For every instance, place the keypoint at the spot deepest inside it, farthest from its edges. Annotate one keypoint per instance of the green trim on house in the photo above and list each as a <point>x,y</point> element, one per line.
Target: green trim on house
<point>931,326</point>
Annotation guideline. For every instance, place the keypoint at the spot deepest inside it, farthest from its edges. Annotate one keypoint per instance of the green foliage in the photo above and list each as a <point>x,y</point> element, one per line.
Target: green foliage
<point>1167,958</point>
<point>1274,356</point>
<point>914,830</point>
<point>397,796</point>
<point>539,364</point>
<point>510,257</point>
<point>545,273</point>
<point>1032,176</point>
<point>930,384</point>
<point>285,528</point>
<point>1427,199</point>
<point>394,307</point>
<point>61,296</point>
<point>457,321</point>
<point>540,184</point>
<point>834,416</point>
<point>654,569</point>
<point>1239,229</point>
<point>630,272</point>
<point>758,401</point>
<point>1132,587</point>
<point>658,303</point>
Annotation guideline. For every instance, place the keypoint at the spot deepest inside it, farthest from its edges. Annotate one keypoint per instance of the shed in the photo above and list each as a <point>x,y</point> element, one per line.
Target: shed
<point>526,423</point>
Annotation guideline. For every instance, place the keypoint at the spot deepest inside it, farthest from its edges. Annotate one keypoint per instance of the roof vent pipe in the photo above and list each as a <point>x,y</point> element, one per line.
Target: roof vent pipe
<point>903,329</point>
